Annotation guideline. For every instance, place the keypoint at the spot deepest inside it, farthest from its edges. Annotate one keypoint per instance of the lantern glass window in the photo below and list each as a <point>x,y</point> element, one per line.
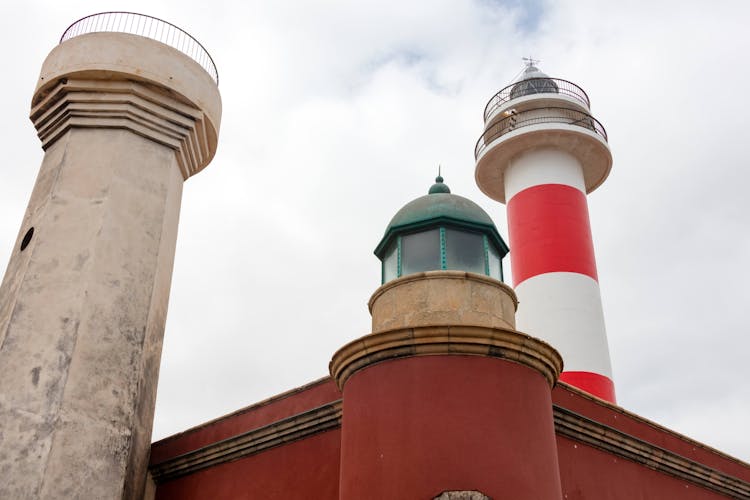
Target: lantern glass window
<point>390,262</point>
<point>495,266</point>
<point>420,252</point>
<point>464,251</point>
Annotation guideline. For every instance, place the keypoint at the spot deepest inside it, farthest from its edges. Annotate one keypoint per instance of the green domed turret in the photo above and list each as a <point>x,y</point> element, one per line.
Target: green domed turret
<point>441,231</point>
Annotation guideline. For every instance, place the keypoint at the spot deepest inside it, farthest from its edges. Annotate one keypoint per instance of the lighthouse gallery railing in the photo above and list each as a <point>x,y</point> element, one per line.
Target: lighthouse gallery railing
<point>515,121</point>
<point>513,91</point>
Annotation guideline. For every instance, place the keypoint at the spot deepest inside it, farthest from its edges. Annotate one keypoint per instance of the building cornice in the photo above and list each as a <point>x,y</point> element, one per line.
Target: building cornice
<point>247,409</point>
<point>507,344</point>
<point>643,420</point>
<point>285,431</point>
<point>582,429</point>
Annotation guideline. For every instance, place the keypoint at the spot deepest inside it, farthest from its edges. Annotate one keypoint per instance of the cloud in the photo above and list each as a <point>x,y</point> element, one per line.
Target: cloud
<point>336,114</point>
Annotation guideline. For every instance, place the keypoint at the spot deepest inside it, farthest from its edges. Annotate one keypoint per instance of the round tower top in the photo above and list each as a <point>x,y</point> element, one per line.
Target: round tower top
<point>122,58</point>
<point>146,26</point>
<point>537,111</point>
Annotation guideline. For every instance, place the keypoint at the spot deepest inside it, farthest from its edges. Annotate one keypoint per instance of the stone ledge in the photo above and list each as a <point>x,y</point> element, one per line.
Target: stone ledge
<point>446,340</point>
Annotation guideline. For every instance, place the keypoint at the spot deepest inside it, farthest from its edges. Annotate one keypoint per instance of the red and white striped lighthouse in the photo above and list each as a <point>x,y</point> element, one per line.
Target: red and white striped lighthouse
<point>541,153</point>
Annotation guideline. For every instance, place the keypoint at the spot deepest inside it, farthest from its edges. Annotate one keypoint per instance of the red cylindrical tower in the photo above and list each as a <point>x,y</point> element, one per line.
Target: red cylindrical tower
<point>541,153</point>
<point>445,397</point>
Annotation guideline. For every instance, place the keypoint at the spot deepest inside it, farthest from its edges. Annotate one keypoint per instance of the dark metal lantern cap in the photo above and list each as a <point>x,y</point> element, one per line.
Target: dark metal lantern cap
<point>534,81</point>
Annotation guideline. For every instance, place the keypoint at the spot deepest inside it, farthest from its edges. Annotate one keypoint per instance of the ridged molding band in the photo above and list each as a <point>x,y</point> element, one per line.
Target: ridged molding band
<point>119,80</point>
<point>465,340</point>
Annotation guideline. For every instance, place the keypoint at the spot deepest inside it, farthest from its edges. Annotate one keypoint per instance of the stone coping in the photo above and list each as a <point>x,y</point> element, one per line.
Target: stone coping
<point>501,343</point>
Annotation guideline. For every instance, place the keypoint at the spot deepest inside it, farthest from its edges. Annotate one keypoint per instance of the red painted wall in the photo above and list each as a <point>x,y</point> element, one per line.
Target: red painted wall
<point>303,470</point>
<point>588,473</point>
<point>415,427</point>
<point>440,422</point>
<point>649,432</point>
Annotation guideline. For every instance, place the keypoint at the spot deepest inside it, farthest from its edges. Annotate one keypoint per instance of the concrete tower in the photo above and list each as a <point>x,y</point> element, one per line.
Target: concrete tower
<point>445,399</point>
<point>124,118</point>
<point>541,153</point>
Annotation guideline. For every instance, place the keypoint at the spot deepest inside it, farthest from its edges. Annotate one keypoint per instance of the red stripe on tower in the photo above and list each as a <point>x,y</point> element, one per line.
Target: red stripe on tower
<point>593,383</point>
<point>541,153</point>
<point>550,231</point>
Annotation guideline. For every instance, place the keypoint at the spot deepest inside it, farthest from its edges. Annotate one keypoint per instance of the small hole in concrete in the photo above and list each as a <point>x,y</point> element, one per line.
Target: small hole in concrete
<point>27,238</point>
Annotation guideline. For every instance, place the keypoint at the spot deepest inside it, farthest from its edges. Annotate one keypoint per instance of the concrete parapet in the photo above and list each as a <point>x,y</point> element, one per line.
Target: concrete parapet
<point>443,298</point>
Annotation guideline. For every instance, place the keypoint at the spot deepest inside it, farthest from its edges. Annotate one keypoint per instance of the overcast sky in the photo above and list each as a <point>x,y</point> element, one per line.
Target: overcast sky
<point>337,113</point>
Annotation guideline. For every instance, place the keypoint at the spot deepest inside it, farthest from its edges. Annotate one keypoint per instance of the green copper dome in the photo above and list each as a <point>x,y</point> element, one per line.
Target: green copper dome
<point>440,207</point>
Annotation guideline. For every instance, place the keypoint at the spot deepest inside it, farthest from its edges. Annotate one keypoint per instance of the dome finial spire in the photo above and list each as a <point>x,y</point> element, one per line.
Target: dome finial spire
<point>532,71</point>
<point>439,187</point>
<point>531,68</point>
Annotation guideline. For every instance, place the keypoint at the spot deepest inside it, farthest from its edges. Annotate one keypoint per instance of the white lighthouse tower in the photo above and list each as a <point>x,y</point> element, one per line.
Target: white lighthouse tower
<point>541,153</point>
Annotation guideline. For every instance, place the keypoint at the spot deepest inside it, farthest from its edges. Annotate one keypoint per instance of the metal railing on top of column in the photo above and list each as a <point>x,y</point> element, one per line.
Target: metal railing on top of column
<point>146,26</point>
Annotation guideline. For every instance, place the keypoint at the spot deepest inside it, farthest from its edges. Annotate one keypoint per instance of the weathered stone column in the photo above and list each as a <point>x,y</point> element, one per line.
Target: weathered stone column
<point>123,120</point>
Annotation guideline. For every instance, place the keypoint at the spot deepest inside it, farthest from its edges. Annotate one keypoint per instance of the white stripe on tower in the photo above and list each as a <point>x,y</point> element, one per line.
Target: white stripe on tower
<point>554,269</point>
<point>542,166</point>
